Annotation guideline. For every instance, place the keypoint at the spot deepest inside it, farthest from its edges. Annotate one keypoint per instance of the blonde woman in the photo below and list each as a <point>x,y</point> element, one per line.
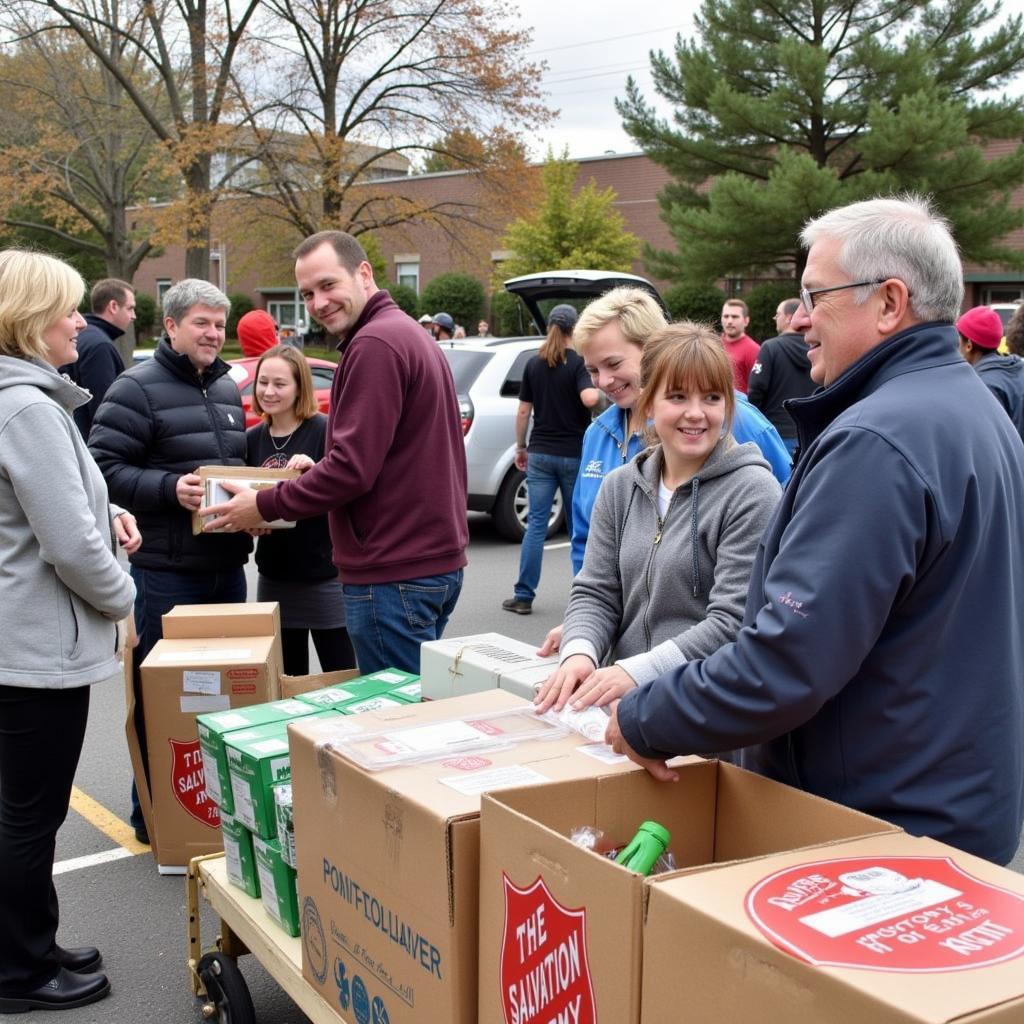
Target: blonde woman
<point>62,592</point>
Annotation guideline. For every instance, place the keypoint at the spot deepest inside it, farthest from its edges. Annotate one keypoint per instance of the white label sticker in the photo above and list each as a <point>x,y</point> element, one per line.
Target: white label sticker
<point>200,682</point>
<point>389,677</point>
<point>231,720</point>
<point>221,654</point>
<point>493,779</point>
<point>268,891</point>
<point>244,810</point>
<point>204,705</point>
<point>843,920</point>
<point>429,738</point>
<point>211,777</point>
<point>234,862</point>
<point>291,707</point>
<point>274,746</point>
<point>602,752</point>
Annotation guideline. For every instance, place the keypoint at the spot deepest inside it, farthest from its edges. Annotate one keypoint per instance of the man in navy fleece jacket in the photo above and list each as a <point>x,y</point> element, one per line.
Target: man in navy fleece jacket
<point>393,479</point>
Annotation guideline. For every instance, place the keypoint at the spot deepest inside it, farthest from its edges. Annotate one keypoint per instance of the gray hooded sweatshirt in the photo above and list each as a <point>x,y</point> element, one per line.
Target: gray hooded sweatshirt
<point>61,587</point>
<point>654,593</point>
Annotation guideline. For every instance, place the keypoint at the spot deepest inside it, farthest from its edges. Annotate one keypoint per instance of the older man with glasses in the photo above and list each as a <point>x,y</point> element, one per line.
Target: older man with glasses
<point>882,659</point>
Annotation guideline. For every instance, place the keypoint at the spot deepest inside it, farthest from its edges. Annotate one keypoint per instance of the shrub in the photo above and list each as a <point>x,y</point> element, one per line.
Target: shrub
<point>145,315</point>
<point>763,301</point>
<point>461,295</point>
<point>405,298</point>
<point>699,302</point>
<point>240,305</point>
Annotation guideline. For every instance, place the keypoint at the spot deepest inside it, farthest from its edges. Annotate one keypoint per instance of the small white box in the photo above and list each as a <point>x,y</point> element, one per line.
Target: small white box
<point>485,661</point>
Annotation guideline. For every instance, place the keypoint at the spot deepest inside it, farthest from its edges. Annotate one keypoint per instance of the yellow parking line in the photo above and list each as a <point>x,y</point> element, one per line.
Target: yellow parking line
<point>108,823</point>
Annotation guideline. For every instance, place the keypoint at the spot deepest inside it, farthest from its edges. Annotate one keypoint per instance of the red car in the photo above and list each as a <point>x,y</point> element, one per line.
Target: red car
<point>243,372</point>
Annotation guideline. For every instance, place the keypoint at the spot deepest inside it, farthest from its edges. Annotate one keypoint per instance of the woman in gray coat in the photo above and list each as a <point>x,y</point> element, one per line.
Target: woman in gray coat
<point>673,534</point>
<point>62,592</point>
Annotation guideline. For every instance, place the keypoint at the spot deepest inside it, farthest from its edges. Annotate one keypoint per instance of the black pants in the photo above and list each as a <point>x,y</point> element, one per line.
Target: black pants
<point>333,648</point>
<point>41,735</point>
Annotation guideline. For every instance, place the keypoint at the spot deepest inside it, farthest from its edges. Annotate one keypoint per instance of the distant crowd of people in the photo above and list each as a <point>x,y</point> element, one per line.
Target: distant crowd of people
<point>801,555</point>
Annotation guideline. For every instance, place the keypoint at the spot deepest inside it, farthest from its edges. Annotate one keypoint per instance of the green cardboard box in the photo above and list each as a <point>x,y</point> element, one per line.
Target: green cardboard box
<point>277,885</point>
<point>372,685</point>
<point>238,855</point>
<point>374,703</point>
<point>285,822</point>
<point>213,728</point>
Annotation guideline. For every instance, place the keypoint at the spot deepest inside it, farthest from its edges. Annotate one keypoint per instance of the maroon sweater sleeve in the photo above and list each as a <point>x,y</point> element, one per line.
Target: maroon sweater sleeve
<point>372,397</point>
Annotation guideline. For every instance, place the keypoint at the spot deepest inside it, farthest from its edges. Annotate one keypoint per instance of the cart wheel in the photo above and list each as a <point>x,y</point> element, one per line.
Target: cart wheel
<point>228,999</point>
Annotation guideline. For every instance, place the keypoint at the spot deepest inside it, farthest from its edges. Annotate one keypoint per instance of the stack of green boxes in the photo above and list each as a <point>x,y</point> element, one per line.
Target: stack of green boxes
<point>247,768</point>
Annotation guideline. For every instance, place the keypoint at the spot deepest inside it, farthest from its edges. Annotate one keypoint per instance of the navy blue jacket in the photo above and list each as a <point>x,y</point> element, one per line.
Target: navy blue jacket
<point>1004,377</point>
<point>881,662</point>
<point>98,365</point>
<point>158,421</point>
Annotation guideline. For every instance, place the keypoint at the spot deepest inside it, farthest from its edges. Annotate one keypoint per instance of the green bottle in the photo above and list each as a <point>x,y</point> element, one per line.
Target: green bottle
<point>644,849</point>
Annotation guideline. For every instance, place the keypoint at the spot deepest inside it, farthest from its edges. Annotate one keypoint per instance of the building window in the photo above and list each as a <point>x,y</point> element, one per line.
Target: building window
<point>163,286</point>
<point>284,311</point>
<point>408,273</point>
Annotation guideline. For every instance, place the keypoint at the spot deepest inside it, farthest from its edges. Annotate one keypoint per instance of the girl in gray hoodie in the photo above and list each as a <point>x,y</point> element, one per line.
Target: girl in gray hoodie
<point>673,534</point>
<point>62,591</point>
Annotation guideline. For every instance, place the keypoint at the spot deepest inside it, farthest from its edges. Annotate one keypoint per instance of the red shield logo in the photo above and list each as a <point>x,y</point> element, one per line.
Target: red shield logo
<point>188,782</point>
<point>545,973</point>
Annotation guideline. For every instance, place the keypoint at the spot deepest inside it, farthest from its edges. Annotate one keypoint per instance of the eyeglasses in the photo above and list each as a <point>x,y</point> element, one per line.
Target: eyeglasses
<point>807,294</point>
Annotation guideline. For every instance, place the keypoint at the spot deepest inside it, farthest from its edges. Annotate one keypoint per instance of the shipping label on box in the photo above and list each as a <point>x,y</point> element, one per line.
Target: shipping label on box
<point>890,929</point>
<point>277,885</point>
<point>546,903</point>
<point>388,860</point>
<point>238,855</point>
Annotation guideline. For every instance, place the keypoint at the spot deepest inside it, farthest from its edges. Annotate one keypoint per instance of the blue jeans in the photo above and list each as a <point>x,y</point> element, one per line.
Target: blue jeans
<point>544,475</point>
<point>387,622</point>
<point>157,591</point>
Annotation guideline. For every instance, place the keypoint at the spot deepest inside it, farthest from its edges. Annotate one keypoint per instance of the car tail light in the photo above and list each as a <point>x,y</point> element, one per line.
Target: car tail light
<point>465,413</point>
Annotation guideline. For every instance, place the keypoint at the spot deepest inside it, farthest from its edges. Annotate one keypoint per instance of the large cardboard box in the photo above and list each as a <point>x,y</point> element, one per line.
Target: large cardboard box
<point>388,861</point>
<point>180,679</point>
<point>888,930</point>
<point>484,661</point>
<point>561,927</point>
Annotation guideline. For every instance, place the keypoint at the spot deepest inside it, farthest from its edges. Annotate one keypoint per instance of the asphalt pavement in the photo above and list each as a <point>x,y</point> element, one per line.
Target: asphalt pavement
<point>136,916</point>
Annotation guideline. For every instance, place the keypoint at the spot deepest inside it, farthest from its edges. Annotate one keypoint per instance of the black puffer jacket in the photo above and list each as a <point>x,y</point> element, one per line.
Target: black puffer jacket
<point>158,421</point>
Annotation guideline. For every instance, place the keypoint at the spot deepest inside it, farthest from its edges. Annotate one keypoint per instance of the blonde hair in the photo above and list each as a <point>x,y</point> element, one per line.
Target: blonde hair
<point>634,309</point>
<point>553,349</point>
<point>36,290</point>
<point>685,355</point>
<point>305,397</point>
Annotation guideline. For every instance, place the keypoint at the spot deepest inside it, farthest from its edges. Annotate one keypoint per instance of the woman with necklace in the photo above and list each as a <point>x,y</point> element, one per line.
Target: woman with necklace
<point>673,533</point>
<point>295,565</point>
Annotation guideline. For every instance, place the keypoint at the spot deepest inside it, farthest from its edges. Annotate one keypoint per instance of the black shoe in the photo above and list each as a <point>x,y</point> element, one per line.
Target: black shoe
<point>63,992</point>
<point>517,605</point>
<point>141,835</point>
<point>81,960</point>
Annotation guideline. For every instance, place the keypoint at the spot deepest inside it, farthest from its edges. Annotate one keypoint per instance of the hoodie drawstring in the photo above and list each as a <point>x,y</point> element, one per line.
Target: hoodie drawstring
<point>693,536</point>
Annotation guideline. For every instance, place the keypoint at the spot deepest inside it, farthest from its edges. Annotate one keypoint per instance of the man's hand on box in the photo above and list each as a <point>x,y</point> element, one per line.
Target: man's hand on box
<point>559,686</point>
<point>240,513</point>
<point>189,490</point>
<point>614,738</point>
<point>127,533</point>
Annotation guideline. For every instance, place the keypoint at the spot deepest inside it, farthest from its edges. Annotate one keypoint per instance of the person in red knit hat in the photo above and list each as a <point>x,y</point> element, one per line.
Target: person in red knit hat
<point>257,332</point>
<point>981,331</point>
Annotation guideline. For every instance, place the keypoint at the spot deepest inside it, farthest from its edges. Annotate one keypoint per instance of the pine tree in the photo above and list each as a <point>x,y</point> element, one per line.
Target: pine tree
<point>567,232</point>
<point>789,110</point>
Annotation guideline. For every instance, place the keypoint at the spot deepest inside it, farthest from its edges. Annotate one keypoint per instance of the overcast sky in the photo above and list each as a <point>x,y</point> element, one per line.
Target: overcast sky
<point>591,48</point>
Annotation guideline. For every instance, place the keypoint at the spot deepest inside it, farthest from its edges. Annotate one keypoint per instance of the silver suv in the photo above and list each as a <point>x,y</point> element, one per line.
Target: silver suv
<point>488,374</point>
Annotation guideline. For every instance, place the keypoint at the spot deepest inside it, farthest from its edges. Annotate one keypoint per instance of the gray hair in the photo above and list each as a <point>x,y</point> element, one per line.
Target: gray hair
<point>189,292</point>
<point>901,237</point>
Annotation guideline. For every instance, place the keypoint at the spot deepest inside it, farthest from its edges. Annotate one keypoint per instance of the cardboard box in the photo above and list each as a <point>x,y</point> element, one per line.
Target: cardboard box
<point>180,679</point>
<point>484,661</point>
<point>248,476</point>
<point>296,686</point>
<point>388,861</point>
<point>888,930</point>
<point>285,819</point>
<point>547,904</point>
<point>238,855</point>
<point>213,728</point>
<point>277,885</point>
<point>257,760</point>
<point>191,621</point>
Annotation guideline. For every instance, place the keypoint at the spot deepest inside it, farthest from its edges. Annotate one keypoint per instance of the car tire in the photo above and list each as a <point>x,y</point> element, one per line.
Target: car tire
<point>510,508</point>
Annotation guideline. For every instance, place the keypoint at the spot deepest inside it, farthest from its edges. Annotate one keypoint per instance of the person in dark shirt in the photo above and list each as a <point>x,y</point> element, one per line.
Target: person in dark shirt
<point>99,362</point>
<point>295,567</point>
<point>558,392</point>
<point>781,371</point>
<point>981,332</point>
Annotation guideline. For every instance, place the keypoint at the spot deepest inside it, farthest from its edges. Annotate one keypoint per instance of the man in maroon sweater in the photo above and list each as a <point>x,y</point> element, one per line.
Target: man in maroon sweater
<point>393,479</point>
<point>740,347</point>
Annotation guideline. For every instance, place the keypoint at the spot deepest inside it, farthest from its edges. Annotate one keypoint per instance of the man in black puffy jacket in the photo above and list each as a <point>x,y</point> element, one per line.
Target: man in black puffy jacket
<point>158,423</point>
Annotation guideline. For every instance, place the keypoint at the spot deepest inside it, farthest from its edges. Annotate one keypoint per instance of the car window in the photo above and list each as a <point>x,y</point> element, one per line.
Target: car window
<point>513,381</point>
<point>322,377</point>
<point>466,366</point>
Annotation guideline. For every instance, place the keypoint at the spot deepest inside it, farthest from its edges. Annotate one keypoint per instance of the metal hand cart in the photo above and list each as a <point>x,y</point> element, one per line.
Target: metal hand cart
<point>245,927</point>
